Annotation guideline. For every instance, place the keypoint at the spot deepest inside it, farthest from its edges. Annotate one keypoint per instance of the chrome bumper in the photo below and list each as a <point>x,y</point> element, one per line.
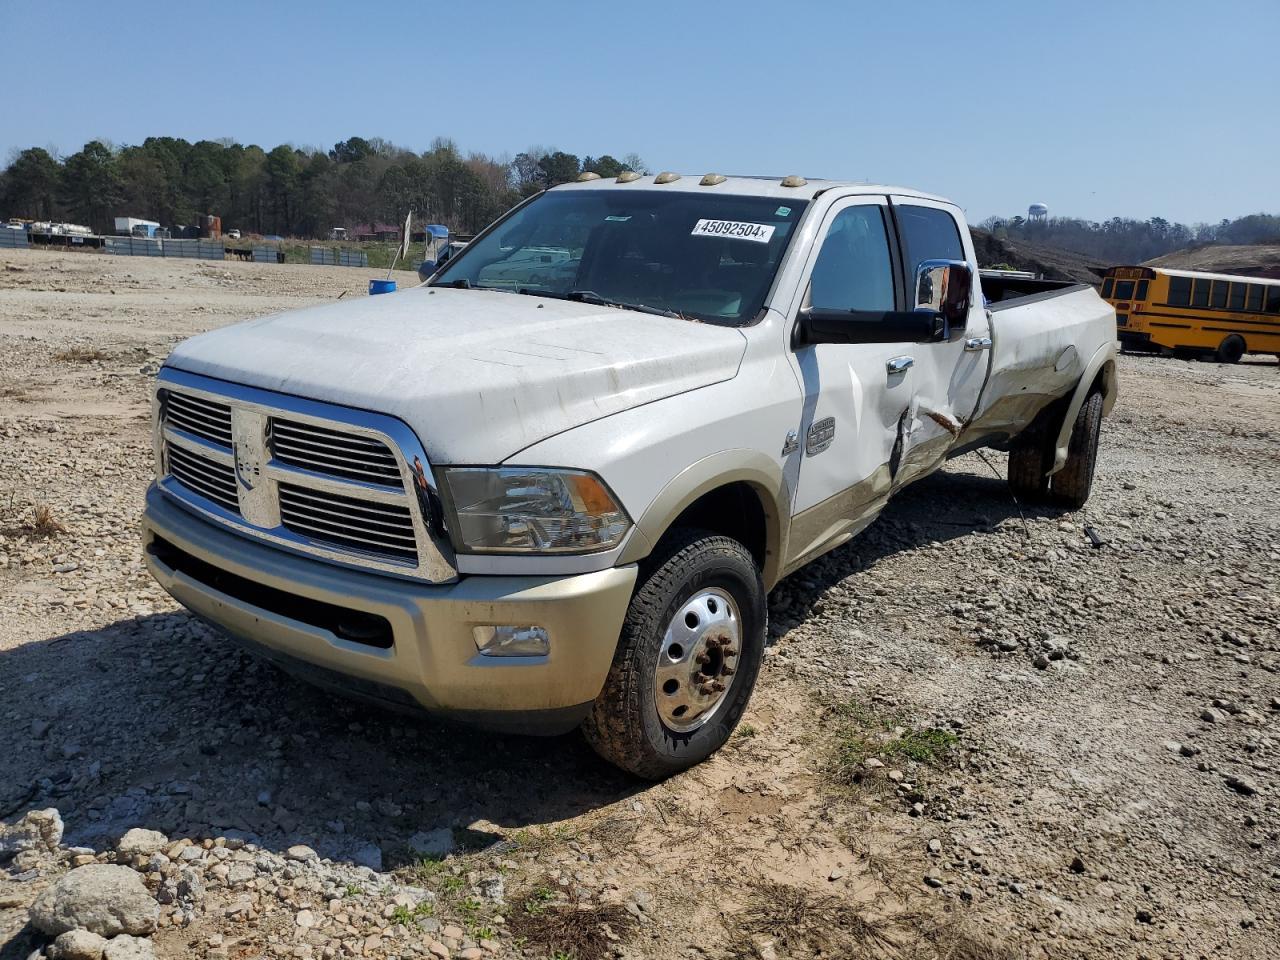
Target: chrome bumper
<point>431,658</point>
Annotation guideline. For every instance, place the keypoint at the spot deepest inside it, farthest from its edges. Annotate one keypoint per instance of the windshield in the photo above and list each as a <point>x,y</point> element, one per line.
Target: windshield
<point>700,255</point>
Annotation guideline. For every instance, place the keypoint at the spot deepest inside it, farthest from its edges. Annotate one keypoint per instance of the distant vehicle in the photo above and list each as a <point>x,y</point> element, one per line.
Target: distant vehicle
<point>337,233</point>
<point>1189,314</point>
<point>232,234</point>
<point>544,503</point>
<point>135,227</point>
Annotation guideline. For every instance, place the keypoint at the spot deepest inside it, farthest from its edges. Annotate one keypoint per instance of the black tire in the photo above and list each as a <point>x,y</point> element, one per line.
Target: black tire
<point>1029,464</point>
<point>624,725</point>
<point>1231,349</point>
<point>1071,484</point>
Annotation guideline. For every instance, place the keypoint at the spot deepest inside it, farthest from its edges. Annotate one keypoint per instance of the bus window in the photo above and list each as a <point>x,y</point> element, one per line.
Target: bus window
<point>1219,299</point>
<point>1273,299</point>
<point>1200,294</point>
<point>1255,298</point>
<point>1237,296</point>
<point>1124,290</point>
<point>1179,291</point>
<point>1106,288</point>
<point>1142,290</point>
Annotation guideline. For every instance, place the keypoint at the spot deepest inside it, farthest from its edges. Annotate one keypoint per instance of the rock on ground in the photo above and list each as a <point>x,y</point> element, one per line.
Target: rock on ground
<point>77,945</point>
<point>140,842</point>
<point>101,898</point>
<point>39,829</point>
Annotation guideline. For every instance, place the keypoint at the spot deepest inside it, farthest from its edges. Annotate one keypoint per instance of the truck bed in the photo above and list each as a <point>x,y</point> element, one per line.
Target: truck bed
<point>1044,334</point>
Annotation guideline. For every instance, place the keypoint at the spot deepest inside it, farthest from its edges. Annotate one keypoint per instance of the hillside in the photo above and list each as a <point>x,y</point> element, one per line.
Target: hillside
<point>1054,263</point>
<point>1255,260</point>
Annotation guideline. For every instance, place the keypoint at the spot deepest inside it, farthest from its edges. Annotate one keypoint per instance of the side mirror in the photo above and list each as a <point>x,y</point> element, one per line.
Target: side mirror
<point>426,268</point>
<point>945,288</point>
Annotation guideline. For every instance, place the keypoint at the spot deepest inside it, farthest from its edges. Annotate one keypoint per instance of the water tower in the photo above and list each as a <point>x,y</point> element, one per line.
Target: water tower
<point>1037,211</point>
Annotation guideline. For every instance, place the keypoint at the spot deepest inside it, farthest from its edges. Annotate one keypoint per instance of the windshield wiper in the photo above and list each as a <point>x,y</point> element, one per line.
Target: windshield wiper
<point>462,283</point>
<point>590,296</point>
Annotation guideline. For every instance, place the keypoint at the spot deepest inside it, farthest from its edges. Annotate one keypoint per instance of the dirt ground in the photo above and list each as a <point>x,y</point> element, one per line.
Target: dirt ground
<point>975,734</point>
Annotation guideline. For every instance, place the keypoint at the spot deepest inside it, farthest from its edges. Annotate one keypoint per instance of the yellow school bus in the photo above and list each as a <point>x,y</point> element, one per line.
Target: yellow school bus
<point>1188,313</point>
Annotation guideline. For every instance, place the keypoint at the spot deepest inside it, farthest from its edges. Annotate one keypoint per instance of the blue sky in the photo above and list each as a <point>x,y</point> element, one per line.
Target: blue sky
<point>1095,108</point>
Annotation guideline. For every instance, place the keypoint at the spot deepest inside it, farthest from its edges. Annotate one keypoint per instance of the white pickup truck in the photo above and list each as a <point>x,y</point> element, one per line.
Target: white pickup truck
<point>553,485</point>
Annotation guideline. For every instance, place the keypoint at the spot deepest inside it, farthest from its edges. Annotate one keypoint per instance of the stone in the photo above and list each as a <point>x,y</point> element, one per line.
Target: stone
<point>139,842</point>
<point>305,919</point>
<point>438,949</point>
<point>433,843</point>
<point>1041,661</point>
<point>301,852</point>
<point>102,898</point>
<point>493,888</point>
<point>1242,785</point>
<point>37,830</point>
<point>129,948</point>
<point>935,846</point>
<point>77,945</point>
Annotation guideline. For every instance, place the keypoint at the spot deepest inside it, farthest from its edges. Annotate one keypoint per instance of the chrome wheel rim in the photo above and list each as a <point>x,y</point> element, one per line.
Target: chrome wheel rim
<point>697,659</point>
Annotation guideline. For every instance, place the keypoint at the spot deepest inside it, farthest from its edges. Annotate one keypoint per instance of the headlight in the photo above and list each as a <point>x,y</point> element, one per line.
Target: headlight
<point>530,510</point>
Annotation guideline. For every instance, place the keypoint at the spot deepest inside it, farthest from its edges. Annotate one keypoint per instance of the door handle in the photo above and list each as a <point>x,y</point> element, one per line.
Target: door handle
<point>900,364</point>
<point>977,344</point>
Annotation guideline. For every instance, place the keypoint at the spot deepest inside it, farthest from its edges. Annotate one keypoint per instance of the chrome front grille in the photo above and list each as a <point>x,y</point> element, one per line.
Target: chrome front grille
<point>334,452</point>
<point>381,528</point>
<point>307,476</point>
<point>210,479</point>
<point>203,418</point>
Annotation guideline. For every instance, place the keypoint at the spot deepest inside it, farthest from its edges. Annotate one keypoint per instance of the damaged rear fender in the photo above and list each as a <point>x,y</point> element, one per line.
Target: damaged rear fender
<point>1100,373</point>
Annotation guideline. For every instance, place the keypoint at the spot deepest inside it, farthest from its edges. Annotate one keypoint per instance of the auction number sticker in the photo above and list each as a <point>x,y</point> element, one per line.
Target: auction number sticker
<point>739,230</point>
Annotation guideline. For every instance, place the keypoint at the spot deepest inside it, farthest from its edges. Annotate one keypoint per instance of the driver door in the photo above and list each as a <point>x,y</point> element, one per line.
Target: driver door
<point>857,396</point>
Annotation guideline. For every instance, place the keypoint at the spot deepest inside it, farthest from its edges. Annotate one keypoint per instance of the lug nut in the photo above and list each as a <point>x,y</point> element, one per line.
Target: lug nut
<point>718,687</point>
<point>701,659</point>
<point>726,671</point>
<point>707,689</point>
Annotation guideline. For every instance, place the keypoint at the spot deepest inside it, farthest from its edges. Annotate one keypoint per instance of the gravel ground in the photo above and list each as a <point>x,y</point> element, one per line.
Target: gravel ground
<point>975,734</point>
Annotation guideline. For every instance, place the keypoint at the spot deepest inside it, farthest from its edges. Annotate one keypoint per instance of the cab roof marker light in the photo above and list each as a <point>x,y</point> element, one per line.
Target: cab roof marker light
<point>628,176</point>
<point>711,179</point>
<point>587,177</point>
<point>794,181</point>
<point>666,177</point>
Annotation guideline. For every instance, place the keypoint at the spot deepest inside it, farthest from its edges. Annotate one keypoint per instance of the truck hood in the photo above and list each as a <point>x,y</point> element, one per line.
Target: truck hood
<point>479,375</point>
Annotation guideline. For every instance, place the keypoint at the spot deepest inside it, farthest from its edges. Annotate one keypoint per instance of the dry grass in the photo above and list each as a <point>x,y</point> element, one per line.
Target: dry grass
<point>41,525</point>
<point>81,354</point>
<point>803,924</point>
<point>572,929</point>
<point>799,923</point>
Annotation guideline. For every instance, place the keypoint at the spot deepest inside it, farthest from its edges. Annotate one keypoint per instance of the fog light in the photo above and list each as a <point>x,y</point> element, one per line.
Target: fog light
<point>512,641</point>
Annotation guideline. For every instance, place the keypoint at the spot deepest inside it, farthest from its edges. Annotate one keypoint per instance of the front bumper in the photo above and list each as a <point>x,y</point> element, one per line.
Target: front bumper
<point>296,611</point>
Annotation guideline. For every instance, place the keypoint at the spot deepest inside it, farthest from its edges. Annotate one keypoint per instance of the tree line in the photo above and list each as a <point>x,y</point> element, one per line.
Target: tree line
<point>1121,240</point>
<point>287,190</point>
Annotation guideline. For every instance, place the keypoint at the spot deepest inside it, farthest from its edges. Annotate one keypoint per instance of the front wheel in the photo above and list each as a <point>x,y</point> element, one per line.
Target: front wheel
<point>687,659</point>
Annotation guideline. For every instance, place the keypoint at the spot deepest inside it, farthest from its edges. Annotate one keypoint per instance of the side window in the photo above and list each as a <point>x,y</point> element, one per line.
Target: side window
<point>927,234</point>
<point>1237,296</point>
<point>1107,284</point>
<point>1180,291</point>
<point>1220,294</point>
<point>1254,304</point>
<point>853,270</point>
<point>1273,299</point>
<point>1142,290</point>
<point>1200,293</point>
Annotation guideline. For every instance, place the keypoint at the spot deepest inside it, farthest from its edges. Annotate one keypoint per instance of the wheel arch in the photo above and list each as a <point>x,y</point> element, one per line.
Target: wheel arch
<point>1099,374</point>
<point>737,493</point>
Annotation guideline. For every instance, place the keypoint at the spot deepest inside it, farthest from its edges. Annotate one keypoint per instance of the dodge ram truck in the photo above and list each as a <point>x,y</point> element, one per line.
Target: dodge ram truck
<point>552,485</point>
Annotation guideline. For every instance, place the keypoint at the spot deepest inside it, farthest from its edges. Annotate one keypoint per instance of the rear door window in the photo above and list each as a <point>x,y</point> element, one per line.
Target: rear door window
<point>1124,290</point>
<point>927,234</point>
